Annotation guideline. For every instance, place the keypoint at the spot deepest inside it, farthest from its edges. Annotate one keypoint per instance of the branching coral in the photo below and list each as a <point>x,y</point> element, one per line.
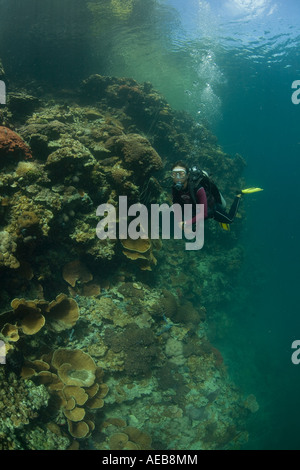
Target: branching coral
<point>19,401</point>
<point>8,247</point>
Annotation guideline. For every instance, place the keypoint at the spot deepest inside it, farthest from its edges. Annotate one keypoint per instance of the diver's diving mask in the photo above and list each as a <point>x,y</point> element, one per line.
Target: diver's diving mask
<point>179,176</point>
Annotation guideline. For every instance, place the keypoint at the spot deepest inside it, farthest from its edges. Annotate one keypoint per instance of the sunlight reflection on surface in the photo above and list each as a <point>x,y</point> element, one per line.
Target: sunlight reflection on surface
<point>250,9</point>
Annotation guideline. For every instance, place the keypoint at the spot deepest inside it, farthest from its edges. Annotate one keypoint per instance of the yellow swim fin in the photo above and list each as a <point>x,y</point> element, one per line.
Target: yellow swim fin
<point>225,226</point>
<point>251,190</point>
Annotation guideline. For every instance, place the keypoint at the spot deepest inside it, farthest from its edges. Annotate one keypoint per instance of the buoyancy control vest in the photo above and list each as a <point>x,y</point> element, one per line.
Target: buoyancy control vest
<point>200,179</point>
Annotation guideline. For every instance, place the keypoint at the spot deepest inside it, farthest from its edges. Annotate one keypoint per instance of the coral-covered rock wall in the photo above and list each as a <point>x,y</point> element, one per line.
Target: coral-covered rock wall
<point>114,333</point>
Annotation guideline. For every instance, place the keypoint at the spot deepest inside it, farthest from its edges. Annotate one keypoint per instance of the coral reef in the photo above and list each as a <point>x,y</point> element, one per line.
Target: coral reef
<point>106,340</point>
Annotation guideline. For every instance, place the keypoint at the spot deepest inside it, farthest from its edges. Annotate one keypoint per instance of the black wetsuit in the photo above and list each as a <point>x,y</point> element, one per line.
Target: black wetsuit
<point>220,215</point>
<point>212,209</point>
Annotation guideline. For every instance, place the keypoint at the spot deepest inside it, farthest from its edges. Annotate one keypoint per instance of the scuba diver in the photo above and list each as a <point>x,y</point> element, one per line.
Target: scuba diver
<point>193,186</point>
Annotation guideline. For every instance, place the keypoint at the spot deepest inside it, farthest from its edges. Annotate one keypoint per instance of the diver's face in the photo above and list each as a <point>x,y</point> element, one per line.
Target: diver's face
<point>179,177</point>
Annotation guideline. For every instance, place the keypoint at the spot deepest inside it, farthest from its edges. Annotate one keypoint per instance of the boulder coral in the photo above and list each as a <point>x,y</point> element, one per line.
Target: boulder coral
<point>12,147</point>
<point>71,157</point>
<point>137,154</point>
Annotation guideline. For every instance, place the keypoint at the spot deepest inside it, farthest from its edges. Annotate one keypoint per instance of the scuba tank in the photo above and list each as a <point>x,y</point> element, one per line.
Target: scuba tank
<point>200,178</point>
